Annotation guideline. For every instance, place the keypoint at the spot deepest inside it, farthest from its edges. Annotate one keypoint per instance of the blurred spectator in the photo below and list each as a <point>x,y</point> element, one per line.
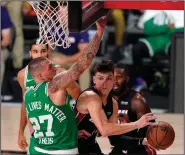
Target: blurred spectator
<point>28,10</point>
<point>15,12</point>
<point>6,26</point>
<point>158,28</point>
<point>132,18</point>
<point>66,57</point>
<point>117,16</point>
<point>125,21</point>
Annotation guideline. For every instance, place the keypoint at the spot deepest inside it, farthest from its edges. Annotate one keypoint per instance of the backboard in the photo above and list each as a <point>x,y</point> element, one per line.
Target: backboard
<point>81,15</point>
<point>57,18</point>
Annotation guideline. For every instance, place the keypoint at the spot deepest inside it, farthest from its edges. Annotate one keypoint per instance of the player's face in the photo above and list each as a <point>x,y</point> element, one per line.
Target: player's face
<point>120,78</point>
<point>104,82</point>
<point>39,50</point>
<point>49,71</point>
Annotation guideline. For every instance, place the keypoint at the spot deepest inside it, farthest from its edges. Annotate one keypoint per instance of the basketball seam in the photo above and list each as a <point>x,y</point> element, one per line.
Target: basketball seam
<point>169,142</point>
<point>164,136</point>
<point>151,141</point>
<point>166,144</point>
<point>156,134</point>
<point>155,146</point>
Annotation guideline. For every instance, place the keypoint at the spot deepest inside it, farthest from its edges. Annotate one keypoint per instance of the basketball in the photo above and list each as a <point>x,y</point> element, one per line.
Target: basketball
<point>160,135</point>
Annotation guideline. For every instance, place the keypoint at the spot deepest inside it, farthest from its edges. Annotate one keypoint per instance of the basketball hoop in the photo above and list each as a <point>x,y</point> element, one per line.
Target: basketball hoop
<point>53,22</point>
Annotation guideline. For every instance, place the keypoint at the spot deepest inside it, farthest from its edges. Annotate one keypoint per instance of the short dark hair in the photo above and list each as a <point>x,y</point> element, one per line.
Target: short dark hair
<point>34,65</point>
<point>104,67</point>
<point>47,46</point>
<point>123,67</point>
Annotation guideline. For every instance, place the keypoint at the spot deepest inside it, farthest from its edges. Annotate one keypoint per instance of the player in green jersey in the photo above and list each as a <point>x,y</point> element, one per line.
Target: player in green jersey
<point>54,123</point>
<point>26,81</point>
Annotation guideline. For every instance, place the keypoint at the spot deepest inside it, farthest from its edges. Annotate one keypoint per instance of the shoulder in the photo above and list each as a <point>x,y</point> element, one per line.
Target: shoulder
<point>139,97</point>
<point>138,101</point>
<point>89,96</point>
<point>20,75</point>
<point>89,101</point>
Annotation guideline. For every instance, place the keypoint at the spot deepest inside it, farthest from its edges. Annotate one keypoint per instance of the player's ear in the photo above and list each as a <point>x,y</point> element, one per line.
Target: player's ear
<point>40,76</point>
<point>30,53</point>
<point>94,80</point>
<point>48,51</point>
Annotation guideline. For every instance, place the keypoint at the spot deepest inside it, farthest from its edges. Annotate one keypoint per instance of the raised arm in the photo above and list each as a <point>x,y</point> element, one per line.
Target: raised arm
<point>73,88</point>
<point>106,128</point>
<point>85,60</point>
<point>23,117</point>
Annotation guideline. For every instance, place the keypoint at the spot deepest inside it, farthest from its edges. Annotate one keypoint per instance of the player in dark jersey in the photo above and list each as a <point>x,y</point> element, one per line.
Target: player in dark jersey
<point>96,110</point>
<point>132,106</point>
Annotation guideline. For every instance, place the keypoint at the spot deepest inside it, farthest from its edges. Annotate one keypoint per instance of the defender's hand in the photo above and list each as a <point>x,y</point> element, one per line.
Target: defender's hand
<point>83,134</point>
<point>145,142</point>
<point>145,120</point>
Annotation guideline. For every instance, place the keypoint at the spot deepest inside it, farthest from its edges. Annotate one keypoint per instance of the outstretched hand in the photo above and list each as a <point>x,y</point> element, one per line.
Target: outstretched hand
<point>146,120</point>
<point>101,24</point>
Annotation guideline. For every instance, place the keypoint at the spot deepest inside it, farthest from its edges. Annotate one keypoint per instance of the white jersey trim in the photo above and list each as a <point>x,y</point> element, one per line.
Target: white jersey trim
<point>70,151</point>
<point>46,88</point>
<point>151,52</point>
<point>25,76</point>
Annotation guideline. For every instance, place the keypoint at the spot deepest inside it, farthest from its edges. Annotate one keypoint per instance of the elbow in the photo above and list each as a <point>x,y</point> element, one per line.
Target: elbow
<point>7,40</point>
<point>6,43</point>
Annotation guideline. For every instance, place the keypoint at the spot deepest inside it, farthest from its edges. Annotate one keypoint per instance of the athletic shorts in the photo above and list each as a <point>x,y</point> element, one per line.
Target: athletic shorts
<point>86,146</point>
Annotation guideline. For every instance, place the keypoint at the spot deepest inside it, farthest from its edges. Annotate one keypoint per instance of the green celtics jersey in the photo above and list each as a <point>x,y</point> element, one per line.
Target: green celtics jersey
<point>54,126</point>
<point>28,80</point>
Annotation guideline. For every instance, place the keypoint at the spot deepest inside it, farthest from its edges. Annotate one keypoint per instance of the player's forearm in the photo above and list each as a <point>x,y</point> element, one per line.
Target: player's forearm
<point>87,56</point>
<point>118,129</point>
<point>23,120</point>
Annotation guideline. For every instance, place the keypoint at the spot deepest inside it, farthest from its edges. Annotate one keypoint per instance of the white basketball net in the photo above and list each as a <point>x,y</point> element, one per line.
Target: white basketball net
<point>53,23</point>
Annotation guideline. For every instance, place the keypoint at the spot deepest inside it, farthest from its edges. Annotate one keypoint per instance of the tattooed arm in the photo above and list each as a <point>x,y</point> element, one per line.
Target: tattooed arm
<point>72,74</point>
